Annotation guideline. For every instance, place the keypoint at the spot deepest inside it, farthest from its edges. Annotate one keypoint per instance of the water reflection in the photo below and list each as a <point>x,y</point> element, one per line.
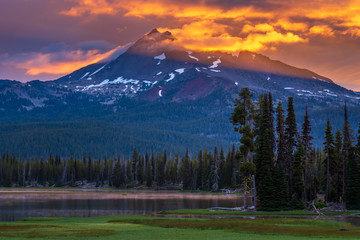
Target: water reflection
<point>18,205</point>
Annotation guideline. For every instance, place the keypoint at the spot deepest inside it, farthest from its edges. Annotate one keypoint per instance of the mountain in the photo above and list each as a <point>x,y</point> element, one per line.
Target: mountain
<point>154,95</point>
<point>154,68</point>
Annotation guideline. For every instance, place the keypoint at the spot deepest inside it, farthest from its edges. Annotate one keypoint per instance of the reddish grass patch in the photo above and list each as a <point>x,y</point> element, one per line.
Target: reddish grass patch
<point>268,226</point>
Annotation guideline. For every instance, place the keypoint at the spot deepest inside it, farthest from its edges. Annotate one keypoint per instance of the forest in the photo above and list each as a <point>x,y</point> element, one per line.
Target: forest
<point>276,163</point>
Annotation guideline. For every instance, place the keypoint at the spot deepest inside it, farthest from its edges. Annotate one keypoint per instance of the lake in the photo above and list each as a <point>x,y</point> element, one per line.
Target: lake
<point>18,204</point>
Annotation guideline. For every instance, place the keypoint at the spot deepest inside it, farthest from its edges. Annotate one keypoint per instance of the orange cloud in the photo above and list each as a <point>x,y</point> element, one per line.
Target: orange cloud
<point>210,36</point>
<point>322,30</point>
<point>178,9</point>
<point>275,26</point>
<point>58,62</point>
<point>291,26</point>
<point>94,7</point>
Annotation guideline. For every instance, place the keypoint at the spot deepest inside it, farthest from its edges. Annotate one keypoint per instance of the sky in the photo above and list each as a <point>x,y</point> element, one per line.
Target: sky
<point>46,39</point>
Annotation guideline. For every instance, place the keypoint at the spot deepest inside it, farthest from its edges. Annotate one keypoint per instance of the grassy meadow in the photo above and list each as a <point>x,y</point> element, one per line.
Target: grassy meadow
<point>147,227</point>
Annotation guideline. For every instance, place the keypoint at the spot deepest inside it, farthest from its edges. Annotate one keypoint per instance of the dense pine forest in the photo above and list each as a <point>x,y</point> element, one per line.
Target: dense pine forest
<point>276,163</point>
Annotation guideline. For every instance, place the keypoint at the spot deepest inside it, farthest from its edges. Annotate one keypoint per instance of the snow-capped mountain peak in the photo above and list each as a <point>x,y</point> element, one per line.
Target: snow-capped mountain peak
<point>155,62</point>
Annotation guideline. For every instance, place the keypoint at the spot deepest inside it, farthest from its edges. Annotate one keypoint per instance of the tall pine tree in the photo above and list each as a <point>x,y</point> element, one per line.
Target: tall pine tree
<point>347,144</point>
<point>243,120</point>
<point>330,163</point>
<point>306,139</point>
<point>290,133</point>
<point>352,192</point>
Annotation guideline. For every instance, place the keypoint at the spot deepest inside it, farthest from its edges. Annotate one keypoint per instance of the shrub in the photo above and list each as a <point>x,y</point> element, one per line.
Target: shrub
<point>320,205</point>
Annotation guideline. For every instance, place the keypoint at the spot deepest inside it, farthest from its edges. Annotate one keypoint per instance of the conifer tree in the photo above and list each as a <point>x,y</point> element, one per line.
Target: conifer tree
<point>330,163</point>
<point>153,165</point>
<point>280,182</point>
<point>298,176</point>
<point>149,175</point>
<point>358,142</point>
<point>186,177</point>
<point>206,170</point>
<point>306,139</point>
<point>243,120</point>
<point>200,177</point>
<point>271,125</point>
<point>174,170</point>
<point>116,175</point>
<point>129,176</point>
<point>135,164</point>
<point>290,133</point>
<point>160,169</point>
<point>281,140</point>
<point>352,192</point>
<point>222,172</point>
<point>347,144</point>
<point>140,170</point>
<point>215,172</point>
<point>89,173</point>
<point>229,166</point>
<point>263,158</point>
<point>339,163</point>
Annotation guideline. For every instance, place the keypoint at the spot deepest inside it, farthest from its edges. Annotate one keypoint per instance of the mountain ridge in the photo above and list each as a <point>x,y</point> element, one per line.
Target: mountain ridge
<point>162,95</point>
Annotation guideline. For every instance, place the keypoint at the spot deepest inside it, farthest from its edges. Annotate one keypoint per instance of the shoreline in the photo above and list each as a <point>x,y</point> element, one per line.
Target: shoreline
<point>113,193</point>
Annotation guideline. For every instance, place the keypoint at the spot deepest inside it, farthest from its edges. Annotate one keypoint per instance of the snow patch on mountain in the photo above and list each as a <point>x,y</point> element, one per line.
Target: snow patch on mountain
<point>160,93</point>
<point>180,70</point>
<point>171,77</point>
<point>160,57</point>
<point>97,70</point>
<point>289,88</point>
<point>116,81</point>
<point>109,102</point>
<point>96,85</point>
<point>351,97</point>
<point>330,94</point>
<point>85,75</point>
<point>306,91</point>
<point>125,81</point>
<point>195,58</point>
<point>192,57</point>
<point>316,78</point>
<point>216,63</point>
<point>147,82</point>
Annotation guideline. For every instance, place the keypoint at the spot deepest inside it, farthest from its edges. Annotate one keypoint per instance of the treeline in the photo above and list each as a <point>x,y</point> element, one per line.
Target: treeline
<point>279,164</point>
<point>275,164</point>
<point>207,171</point>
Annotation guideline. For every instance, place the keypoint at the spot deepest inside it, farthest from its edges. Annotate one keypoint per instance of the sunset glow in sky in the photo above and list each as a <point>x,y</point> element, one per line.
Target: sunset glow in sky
<point>45,39</point>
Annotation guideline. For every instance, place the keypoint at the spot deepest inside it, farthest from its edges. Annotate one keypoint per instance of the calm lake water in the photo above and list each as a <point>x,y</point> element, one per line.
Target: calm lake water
<point>15,205</point>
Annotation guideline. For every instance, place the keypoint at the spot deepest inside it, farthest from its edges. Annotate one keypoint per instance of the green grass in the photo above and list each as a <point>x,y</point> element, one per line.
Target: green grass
<point>207,212</point>
<point>144,227</point>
